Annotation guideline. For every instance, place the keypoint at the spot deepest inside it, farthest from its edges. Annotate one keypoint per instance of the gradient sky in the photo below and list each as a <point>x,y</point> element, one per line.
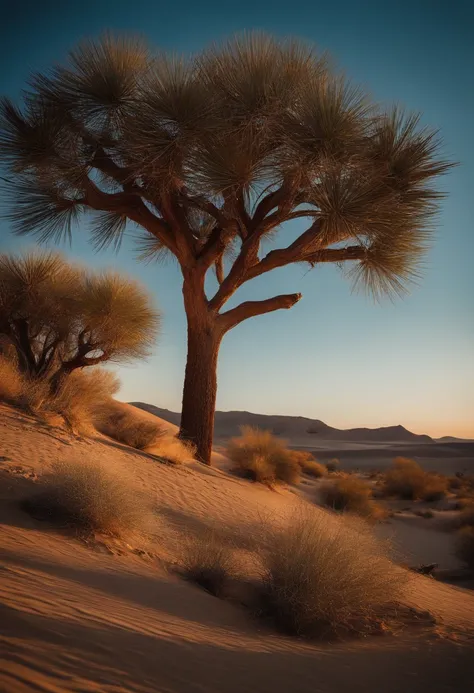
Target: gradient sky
<point>335,356</point>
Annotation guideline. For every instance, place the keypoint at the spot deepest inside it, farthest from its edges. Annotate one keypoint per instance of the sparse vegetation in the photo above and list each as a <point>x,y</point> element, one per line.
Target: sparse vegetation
<point>323,577</point>
<point>130,429</point>
<point>308,464</point>
<point>333,465</point>
<point>349,494</point>
<point>173,449</point>
<point>407,480</point>
<point>89,498</point>
<point>208,563</point>
<point>11,382</point>
<point>262,457</point>
<point>77,402</point>
<point>80,399</point>
<point>136,430</point>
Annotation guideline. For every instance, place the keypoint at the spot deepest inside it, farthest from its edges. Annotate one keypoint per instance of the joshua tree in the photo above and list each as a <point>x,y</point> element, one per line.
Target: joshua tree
<point>56,318</point>
<point>209,155</point>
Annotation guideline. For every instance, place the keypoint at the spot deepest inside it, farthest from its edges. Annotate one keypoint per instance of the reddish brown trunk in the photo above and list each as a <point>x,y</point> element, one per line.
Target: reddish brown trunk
<point>200,380</point>
<point>199,392</point>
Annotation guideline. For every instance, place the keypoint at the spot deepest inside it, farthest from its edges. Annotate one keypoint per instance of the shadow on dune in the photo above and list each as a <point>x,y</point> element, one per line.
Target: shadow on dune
<point>168,596</point>
<point>45,651</point>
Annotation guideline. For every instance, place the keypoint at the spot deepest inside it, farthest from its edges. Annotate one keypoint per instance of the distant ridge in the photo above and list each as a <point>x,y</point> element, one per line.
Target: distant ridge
<point>228,423</point>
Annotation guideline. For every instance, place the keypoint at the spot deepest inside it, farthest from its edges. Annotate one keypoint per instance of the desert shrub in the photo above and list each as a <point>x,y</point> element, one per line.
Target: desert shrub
<point>262,457</point>
<point>302,456</point>
<point>132,430</point>
<point>82,397</point>
<point>465,545</point>
<point>435,488</point>
<point>407,480</point>
<point>208,563</point>
<point>77,401</point>
<point>333,465</point>
<point>323,577</point>
<point>286,469</point>
<point>463,486</point>
<point>11,382</point>
<point>173,449</point>
<point>137,431</point>
<point>87,497</point>
<point>314,468</point>
<point>308,464</point>
<point>348,494</point>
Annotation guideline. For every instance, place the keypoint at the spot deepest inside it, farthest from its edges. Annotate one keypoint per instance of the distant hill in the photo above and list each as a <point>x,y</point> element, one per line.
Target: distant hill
<point>228,423</point>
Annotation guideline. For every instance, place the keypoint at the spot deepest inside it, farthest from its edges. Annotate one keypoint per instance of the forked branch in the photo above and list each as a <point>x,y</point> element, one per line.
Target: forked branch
<point>250,309</point>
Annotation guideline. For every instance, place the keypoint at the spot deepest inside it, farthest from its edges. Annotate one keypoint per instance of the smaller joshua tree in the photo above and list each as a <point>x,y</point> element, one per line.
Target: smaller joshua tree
<point>56,318</point>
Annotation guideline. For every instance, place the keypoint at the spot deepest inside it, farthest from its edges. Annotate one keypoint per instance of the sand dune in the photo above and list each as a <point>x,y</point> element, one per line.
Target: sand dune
<point>107,617</point>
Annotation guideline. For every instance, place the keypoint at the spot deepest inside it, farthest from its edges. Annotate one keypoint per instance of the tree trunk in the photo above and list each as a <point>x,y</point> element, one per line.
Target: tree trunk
<point>60,377</point>
<point>200,380</point>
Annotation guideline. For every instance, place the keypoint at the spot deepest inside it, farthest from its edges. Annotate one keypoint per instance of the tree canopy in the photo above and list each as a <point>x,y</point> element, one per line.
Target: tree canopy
<point>216,151</point>
<point>56,316</point>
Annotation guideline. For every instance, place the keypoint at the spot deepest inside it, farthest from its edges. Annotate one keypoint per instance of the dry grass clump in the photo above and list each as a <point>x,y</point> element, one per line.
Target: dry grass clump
<point>173,449</point>
<point>407,480</point>
<point>90,499</point>
<point>463,486</point>
<point>436,487</point>
<point>333,465</point>
<point>308,464</point>
<point>76,401</point>
<point>208,563</point>
<point>323,577</point>
<point>80,397</point>
<point>349,494</point>
<point>142,433</point>
<point>132,430</point>
<point>262,457</point>
<point>11,382</point>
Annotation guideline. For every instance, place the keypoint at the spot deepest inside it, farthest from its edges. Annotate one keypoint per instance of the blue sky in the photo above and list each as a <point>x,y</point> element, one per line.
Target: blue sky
<point>335,356</point>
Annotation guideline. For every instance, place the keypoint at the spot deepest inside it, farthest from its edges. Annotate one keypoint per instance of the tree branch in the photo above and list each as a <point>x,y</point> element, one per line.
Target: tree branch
<point>250,309</point>
<point>133,207</point>
<point>246,265</point>
<point>102,162</point>
<point>246,258</point>
<point>287,256</point>
<point>219,269</point>
<point>266,205</point>
<point>204,205</point>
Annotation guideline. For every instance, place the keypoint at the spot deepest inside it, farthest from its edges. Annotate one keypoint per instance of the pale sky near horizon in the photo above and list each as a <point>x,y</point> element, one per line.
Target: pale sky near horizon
<point>335,356</point>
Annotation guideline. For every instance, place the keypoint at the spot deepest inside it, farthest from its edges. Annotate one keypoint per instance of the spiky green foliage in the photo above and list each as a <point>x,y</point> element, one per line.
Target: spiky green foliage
<point>57,317</point>
<point>219,150</point>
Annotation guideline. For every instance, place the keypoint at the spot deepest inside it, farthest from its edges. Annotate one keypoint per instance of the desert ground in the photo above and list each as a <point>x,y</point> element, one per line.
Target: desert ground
<point>114,616</point>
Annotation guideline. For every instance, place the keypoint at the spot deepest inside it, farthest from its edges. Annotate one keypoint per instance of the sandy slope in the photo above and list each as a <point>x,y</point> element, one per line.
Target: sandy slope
<point>91,618</point>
